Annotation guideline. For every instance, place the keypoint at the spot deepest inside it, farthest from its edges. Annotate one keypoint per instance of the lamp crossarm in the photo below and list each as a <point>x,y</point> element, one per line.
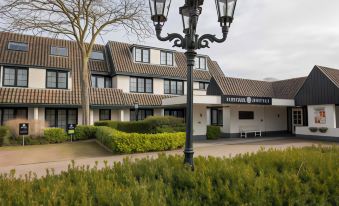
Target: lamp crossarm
<point>179,40</point>
<point>204,40</point>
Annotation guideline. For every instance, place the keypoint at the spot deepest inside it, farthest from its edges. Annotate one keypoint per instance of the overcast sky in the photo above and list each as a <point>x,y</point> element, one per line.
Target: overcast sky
<point>269,38</point>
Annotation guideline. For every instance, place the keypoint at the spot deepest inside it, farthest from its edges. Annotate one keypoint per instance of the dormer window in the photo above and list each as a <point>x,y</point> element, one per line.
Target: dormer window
<point>166,58</point>
<point>97,55</point>
<point>18,46</point>
<point>142,55</point>
<point>59,51</point>
<point>200,63</point>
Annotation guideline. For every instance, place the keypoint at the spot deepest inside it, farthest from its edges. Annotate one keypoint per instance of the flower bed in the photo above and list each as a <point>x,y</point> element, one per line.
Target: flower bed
<point>306,176</point>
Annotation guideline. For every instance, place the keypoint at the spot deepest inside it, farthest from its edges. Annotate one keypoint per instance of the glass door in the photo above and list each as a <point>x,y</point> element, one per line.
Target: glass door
<point>297,118</point>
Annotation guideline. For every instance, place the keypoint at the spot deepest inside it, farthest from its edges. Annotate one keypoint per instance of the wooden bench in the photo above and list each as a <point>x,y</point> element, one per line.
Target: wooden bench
<point>248,130</point>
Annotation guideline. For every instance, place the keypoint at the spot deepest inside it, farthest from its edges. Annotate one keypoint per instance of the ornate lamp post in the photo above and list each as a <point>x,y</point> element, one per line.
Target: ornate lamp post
<point>190,42</point>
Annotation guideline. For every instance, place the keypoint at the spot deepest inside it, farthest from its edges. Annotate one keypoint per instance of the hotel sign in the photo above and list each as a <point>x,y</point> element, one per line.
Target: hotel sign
<point>246,100</point>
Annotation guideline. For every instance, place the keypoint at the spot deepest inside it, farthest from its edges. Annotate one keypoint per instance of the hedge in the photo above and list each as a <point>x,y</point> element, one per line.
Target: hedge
<point>84,132</point>
<point>55,135</point>
<point>306,176</point>
<point>122,142</point>
<point>213,132</point>
<point>151,125</point>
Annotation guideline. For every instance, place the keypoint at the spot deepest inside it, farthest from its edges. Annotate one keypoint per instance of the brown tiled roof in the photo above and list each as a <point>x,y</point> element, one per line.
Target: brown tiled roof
<point>144,99</point>
<point>37,96</point>
<point>285,89</point>
<point>123,63</point>
<point>244,87</point>
<point>106,97</point>
<point>332,74</point>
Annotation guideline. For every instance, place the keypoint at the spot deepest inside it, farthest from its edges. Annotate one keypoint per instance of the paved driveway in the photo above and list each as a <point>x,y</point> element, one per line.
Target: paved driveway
<point>38,158</point>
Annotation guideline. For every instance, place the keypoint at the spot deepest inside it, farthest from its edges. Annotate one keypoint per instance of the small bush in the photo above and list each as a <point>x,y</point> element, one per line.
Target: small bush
<point>122,142</point>
<point>213,132</point>
<point>136,127</point>
<point>323,129</point>
<point>107,123</point>
<point>4,136</point>
<point>313,129</point>
<point>55,135</point>
<point>84,132</point>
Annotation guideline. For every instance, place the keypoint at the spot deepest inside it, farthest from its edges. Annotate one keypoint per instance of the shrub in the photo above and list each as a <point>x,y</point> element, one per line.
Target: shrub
<point>151,125</point>
<point>84,132</point>
<point>36,127</point>
<point>4,136</point>
<point>136,127</point>
<point>122,142</point>
<point>323,129</point>
<point>107,123</point>
<point>213,132</point>
<point>162,124</point>
<point>306,176</point>
<point>313,129</point>
<point>55,135</point>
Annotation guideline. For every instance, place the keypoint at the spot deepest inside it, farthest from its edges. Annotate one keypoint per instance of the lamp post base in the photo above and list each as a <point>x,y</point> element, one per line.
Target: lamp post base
<point>189,158</point>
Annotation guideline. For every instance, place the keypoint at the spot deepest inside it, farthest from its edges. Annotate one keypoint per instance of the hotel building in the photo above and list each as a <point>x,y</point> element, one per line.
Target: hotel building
<point>40,80</point>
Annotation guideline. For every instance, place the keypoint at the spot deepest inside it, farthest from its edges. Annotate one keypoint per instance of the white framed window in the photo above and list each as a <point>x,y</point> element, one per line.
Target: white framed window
<point>59,51</point>
<point>166,58</point>
<point>142,55</point>
<point>201,63</point>
<point>97,55</point>
<point>18,46</point>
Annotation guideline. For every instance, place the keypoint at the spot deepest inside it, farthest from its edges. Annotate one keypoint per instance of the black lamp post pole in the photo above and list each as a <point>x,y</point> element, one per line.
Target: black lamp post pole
<point>190,55</point>
<point>191,42</point>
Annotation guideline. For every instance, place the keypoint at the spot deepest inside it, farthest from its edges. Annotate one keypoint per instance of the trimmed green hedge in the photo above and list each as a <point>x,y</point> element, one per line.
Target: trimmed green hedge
<point>85,132</point>
<point>122,142</point>
<point>306,176</point>
<point>107,123</point>
<point>151,125</point>
<point>213,132</point>
<point>55,135</point>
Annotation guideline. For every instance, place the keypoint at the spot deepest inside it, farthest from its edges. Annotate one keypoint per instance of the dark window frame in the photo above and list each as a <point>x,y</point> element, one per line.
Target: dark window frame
<point>100,114</point>
<point>220,118</point>
<point>137,85</point>
<point>16,76</point>
<point>8,46</point>
<point>142,55</point>
<point>246,115</point>
<point>97,59</point>
<point>204,85</point>
<point>56,110</point>
<point>14,114</point>
<point>57,79</point>
<point>166,58</point>
<point>132,115</point>
<point>171,113</point>
<point>176,85</point>
<point>107,83</point>
<point>59,55</point>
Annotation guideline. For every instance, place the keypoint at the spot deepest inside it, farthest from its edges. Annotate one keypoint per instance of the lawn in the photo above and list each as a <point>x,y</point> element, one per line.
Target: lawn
<point>307,176</point>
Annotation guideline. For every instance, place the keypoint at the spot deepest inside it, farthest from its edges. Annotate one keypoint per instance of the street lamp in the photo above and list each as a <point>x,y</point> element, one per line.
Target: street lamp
<point>136,107</point>
<point>190,42</point>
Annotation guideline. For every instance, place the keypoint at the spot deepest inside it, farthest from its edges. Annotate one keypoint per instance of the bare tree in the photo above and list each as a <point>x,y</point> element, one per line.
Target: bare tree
<point>80,20</point>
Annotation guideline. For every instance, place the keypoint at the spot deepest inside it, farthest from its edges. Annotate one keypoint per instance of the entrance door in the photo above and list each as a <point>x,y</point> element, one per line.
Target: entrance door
<point>297,118</point>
